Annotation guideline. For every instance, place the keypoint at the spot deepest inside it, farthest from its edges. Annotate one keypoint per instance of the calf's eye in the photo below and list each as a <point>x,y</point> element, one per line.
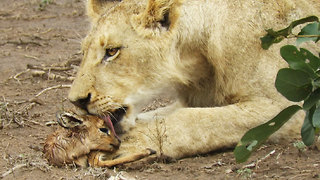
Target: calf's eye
<point>105,130</point>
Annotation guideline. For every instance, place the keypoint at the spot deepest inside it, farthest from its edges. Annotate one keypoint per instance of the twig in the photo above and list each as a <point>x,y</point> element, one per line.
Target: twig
<point>50,123</point>
<point>70,62</point>
<point>307,36</point>
<point>36,123</point>
<point>50,75</point>
<point>13,169</point>
<point>29,66</point>
<point>31,57</point>
<point>19,166</point>
<point>268,155</point>
<point>79,36</point>
<point>15,77</point>
<point>287,167</point>
<point>44,32</point>
<point>303,36</point>
<point>255,164</point>
<point>21,42</point>
<point>5,154</point>
<point>34,100</point>
<point>17,121</point>
<point>53,87</point>
<point>278,156</point>
<point>59,77</point>
<point>8,124</point>
<point>299,175</point>
<point>159,137</point>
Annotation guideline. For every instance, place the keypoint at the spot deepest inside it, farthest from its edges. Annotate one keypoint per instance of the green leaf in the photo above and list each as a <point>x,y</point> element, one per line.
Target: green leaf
<point>295,85</point>
<point>316,118</point>
<point>277,36</point>
<point>312,60</point>
<point>297,60</point>
<point>312,100</point>
<point>256,136</point>
<point>307,130</point>
<point>316,83</point>
<point>310,29</point>
<point>271,38</point>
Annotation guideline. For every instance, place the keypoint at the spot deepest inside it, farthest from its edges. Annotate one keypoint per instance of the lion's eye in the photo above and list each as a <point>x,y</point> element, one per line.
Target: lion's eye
<point>111,54</point>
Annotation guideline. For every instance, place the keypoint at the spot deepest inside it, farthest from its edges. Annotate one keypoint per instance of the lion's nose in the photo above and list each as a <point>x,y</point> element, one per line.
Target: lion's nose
<point>82,102</point>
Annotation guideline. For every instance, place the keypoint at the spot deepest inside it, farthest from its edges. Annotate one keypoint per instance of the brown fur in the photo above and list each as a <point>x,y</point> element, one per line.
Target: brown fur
<point>66,146</point>
<point>85,145</point>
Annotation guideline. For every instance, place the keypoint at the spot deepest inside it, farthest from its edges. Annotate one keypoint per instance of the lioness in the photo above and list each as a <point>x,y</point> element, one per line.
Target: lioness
<point>204,54</point>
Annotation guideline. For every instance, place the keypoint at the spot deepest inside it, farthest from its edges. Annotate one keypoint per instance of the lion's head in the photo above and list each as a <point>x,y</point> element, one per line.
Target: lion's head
<point>131,55</point>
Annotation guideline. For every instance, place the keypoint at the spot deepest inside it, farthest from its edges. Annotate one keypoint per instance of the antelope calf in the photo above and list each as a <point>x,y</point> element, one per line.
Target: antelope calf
<point>86,141</point>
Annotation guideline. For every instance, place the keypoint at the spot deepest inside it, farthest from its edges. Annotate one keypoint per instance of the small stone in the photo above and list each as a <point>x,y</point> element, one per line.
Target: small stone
<point>228,171</point>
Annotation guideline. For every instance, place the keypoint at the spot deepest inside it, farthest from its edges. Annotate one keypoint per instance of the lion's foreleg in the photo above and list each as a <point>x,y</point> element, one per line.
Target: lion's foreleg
<point>191,131</point>
<point>160,112</point>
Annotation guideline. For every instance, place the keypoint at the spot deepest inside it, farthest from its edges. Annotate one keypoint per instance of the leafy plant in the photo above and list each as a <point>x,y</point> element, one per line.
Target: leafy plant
<point>300,146</point>
<point>299,82</point>
<point>245,173</point>
<point>43,4</point>
<point>273,37</point>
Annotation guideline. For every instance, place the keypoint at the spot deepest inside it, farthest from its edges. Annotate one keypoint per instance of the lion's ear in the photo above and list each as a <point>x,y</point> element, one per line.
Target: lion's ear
<point>96,7</point>
<point>159,15</point>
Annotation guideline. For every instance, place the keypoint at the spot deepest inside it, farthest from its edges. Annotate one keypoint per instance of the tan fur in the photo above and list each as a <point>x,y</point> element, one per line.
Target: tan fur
<point>96,7</point>
<point>209,58</point>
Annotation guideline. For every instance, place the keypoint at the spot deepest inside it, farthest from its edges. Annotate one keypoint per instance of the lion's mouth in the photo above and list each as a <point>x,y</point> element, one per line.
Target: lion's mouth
<point>115,117</point>
<point>118,114</point>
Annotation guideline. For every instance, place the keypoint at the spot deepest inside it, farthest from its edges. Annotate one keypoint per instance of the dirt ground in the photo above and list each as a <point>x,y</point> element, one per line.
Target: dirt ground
<point>39,56</point>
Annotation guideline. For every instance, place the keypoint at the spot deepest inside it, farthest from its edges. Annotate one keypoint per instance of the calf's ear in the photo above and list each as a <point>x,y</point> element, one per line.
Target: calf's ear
<point>69,120</point>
